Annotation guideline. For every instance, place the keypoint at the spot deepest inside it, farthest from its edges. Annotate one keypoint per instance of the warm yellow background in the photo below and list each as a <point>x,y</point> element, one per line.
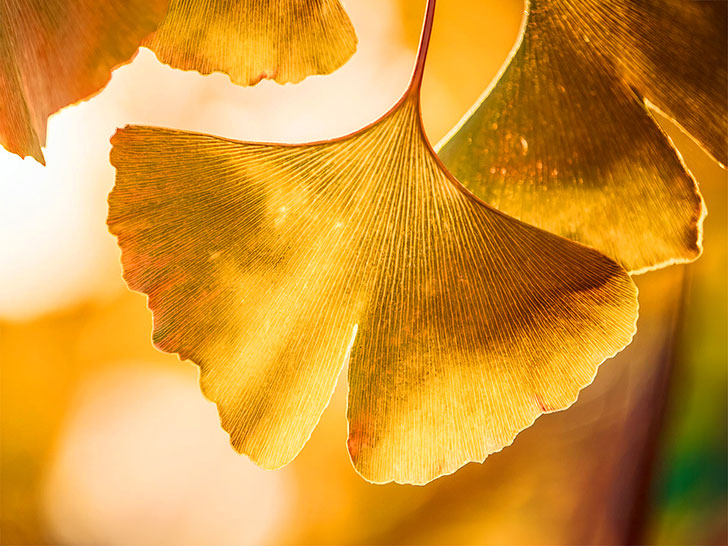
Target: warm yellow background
<point>107,441</point>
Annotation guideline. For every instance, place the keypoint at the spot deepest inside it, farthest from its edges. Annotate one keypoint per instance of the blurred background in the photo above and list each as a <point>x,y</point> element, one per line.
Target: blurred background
<point>105,440</point>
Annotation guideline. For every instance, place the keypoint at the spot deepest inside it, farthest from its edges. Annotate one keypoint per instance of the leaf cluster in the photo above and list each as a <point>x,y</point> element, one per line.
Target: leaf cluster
<point>470,290</point>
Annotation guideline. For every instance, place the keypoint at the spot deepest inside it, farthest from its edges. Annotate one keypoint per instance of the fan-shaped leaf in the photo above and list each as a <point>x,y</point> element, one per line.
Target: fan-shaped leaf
<point>564,139</point>
<point>57,52</point>
<point>267,263</point>
<point>283,40</point>
<point>262,261</point>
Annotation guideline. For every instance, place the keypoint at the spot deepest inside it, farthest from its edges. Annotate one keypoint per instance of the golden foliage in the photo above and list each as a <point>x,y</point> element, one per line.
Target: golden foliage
<point>565,141</point>
<point>267,263</point>
<point>250,40</point>
<point>59,52</point>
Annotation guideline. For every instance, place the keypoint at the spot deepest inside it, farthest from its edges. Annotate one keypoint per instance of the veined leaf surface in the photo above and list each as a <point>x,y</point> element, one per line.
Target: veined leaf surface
<point>283,40</point>
<point>266,264</point>
<point>564,139</point>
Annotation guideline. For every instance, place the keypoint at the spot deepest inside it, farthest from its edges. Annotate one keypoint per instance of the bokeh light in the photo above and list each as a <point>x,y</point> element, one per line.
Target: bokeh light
<point>158,471</point>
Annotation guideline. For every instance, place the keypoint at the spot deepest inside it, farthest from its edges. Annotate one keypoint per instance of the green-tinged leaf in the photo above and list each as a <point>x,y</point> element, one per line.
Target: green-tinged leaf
<point>565,140</point>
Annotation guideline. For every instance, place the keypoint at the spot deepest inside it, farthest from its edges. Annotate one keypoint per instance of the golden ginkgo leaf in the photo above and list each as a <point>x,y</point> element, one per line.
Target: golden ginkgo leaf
<point>266,264</point>
<point>282,40</point>
<point>57,52</point>
<point>564,139</point>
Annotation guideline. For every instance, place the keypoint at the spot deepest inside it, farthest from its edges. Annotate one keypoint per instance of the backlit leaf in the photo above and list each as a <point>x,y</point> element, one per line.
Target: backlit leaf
<point>57,52</point>
<point>283,40</point>
<point>266,264</point>
<point>565,141</point>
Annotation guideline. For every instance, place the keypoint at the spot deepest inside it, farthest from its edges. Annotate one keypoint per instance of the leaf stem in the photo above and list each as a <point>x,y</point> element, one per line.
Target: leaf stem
<point>416,81</point>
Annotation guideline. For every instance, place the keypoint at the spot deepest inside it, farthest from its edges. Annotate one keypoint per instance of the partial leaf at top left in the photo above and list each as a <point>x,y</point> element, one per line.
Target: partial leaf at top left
<point>56,52</point>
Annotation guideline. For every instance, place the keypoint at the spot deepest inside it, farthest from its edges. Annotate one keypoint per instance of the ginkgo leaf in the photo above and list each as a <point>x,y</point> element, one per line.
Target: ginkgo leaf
<point>57,52</point>
<point>283,40</point>
<point>564,139</point>
<point>266,264</point>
